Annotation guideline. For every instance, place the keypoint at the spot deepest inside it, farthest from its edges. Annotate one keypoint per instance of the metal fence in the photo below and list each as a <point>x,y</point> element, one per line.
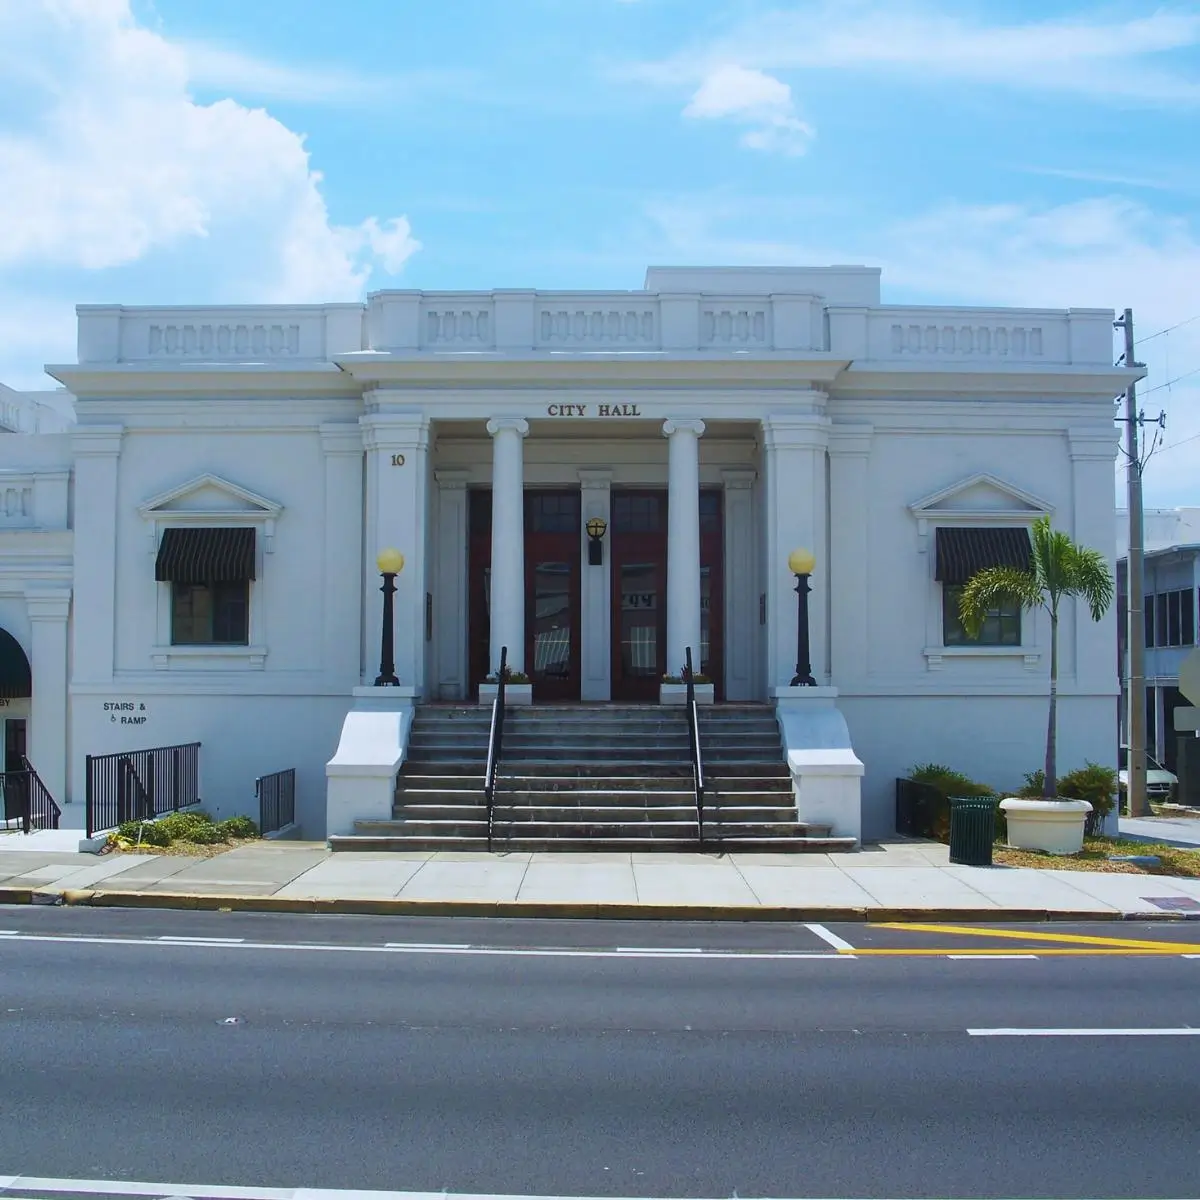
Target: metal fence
<point>276,800</point>
<point>139,785</point>
<point>25,801</point>
<point>921,810</point>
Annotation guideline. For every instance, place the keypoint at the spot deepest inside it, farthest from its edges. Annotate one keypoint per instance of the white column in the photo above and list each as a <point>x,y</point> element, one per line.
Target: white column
<point>683,542</point>
<point>342,445</point>
<point>96,449</point>
<point>397,445</point>
<point>795,452</point>
<point>508,540</point>
<point>741,599</point>
<point>849,557</point>
<point>48,611</point>
<point>451,540</point>
<point>596,615</point>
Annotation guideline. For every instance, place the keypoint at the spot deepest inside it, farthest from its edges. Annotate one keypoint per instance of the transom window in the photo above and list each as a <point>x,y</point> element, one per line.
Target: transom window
<point>637,513</point>
<point>552,512</point>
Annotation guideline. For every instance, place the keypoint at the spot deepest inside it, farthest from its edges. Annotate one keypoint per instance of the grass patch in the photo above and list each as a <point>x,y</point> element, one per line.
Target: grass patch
<point>1094,857</point>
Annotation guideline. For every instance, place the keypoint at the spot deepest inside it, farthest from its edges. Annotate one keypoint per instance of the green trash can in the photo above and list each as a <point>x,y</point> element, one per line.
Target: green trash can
<point>972,830</point>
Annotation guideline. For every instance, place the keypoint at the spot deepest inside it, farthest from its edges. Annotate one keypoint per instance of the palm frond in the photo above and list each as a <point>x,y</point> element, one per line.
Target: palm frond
<point>993,587</point>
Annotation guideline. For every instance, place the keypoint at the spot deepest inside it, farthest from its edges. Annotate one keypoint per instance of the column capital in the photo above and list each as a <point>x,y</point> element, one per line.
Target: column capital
<point>674,425</point>
<point>1092,444</point>
<point>395,431</point>
<point>452,481</point>
<point>738,479</point>
<point>796,431</point>
<point>517,425</point>
<point>341,437</point>
<point>594,480</point>
<point>851,439</point>
<point>97,440</point>
<point>48,604</point>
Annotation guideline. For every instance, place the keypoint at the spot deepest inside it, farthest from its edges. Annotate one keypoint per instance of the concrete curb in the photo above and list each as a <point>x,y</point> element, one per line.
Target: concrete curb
<point>560,911</point>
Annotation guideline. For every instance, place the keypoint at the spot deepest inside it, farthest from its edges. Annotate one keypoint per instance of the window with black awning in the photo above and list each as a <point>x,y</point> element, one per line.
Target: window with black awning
<point>206,555</point>
<point>966,550</point>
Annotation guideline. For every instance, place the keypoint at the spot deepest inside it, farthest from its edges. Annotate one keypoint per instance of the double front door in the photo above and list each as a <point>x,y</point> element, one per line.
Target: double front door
<point>554,553</point>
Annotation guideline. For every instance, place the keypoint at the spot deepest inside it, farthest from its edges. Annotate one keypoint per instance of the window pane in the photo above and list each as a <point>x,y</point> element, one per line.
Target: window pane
<point>636,514</point>
<point>553,512</point>
<point>1173,618</point>
<point>1189,617</point>
<point>1001,625</point>
<point>231,613</point>
<point>639,621</point>
<point>203,614</point>
<point>1160,618</point>
<point>551,620</point>
<point>1148,613</point>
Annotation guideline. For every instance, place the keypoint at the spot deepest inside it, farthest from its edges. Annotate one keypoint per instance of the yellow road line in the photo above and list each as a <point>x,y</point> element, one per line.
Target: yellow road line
<point>1040,951</point>
<point>1077,939</point>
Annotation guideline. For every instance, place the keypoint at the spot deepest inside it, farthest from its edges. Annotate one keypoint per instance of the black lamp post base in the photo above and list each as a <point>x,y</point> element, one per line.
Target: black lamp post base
<point>387,681</point>
<point>803,681</point>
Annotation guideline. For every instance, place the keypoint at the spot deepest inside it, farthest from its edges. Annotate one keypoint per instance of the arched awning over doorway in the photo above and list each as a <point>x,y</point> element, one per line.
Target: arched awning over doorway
<point>16,680</point>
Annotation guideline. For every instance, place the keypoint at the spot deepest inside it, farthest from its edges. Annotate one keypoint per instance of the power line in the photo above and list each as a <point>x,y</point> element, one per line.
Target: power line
<point>1159,387</point>
<point>1169,329</point>
<point>1181,442</point>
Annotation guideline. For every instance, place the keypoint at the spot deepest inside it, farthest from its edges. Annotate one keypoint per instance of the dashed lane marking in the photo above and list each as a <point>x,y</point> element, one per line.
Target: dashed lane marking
<point>1182,1031</point>
<point>1074,939</point>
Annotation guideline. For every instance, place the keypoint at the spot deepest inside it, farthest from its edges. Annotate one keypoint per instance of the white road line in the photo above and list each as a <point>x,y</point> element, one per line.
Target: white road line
<point>8,933</point>
<point>1189,956</point>
<point>1184,1031</point>
<point>203,941</point>
<point>408,948</point>
<point>825,935</point>
<point>427,945</point>
<point>660,950</point>
<point>988,957</point>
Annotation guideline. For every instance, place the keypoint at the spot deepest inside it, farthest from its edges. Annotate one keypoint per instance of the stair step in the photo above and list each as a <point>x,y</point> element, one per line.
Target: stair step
<point>746,845</point>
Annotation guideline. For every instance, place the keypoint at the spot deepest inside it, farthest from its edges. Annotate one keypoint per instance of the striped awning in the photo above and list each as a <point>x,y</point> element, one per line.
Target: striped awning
<point>205,555</point>
<point>965,551</point>
<point>16,682</point>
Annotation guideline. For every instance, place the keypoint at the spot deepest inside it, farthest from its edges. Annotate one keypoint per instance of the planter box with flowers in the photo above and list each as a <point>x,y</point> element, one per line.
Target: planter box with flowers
<point>673,689</point>
<point>517,689</point>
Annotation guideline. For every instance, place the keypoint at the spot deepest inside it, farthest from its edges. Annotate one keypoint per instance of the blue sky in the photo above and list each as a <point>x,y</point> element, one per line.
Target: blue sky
<point>171,151</point>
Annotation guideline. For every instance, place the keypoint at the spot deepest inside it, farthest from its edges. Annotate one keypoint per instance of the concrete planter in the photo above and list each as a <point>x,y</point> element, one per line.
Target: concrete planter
<point>1055,826</point>
<point>676,693</point>
<point>514,693</point>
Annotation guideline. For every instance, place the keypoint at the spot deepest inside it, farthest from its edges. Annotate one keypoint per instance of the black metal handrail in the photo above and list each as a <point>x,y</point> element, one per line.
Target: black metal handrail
<point>693,717</point>
<point>495,743</point>
<point>276,795</point>
<point>139,785</point>
<point>27,799</point>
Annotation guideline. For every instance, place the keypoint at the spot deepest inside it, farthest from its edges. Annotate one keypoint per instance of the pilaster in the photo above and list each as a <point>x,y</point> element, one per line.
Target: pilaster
<point>849,551</point>
<point>795,451</point>
<point>49,610</point>
<point>96,449</point>
<point>397,456</point>
<point>596,614</point>
<point>342,448</point>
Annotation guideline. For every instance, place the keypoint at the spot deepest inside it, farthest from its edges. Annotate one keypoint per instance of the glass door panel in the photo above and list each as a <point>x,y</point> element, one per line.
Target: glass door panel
<point>552,624</point>
<point>640,619</point>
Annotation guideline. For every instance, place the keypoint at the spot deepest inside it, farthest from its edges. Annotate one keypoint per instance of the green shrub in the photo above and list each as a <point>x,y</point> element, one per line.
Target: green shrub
<point>238,827</point>
<point>206,835</point>
<point>954,783</point>
<point>145,833</point>
<point>181,824</point>
<point>1031,789</point>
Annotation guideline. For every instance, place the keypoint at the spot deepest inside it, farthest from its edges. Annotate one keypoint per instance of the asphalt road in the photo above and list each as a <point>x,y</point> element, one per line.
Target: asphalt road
<point>587,1058</point>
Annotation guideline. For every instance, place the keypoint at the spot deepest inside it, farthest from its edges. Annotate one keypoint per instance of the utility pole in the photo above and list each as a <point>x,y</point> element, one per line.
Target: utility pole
<point>1135,639</point>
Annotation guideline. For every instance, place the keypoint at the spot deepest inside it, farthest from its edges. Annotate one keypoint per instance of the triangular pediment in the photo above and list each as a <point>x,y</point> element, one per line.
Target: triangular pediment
<point>980,496</point>
<point>210,495</point>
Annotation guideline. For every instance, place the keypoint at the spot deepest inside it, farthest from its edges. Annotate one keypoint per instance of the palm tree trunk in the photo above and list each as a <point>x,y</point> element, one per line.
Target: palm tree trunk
<point>1050,771</point>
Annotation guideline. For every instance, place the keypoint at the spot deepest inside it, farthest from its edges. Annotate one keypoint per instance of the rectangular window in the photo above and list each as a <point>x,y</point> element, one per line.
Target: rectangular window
<point>210,614</point>
<point>1173,633</point>
<point>1001,625</point>
<point>1148,613</point>
<point>1189,617</point>
<point>1160,618</point>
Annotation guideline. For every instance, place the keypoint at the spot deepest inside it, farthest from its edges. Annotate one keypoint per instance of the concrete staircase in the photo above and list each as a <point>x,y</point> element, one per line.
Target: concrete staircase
<point>593,777</point>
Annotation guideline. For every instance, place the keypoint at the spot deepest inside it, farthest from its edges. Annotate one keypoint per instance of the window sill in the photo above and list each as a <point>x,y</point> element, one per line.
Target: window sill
<point>936,655</point>
<point>249,657</point>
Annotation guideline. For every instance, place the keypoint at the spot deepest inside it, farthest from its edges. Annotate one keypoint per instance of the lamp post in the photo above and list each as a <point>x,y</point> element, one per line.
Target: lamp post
<point>390,563</point>
<point>801,563</point>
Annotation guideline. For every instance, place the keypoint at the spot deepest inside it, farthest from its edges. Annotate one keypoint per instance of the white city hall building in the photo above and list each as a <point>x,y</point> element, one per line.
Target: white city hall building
<point>195,560</point>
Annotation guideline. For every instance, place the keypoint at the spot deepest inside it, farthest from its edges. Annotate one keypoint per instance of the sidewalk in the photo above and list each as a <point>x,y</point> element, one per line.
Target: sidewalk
<point>892,881</point>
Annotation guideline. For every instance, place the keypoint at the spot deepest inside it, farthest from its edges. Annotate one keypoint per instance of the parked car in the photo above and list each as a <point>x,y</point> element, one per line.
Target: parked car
<point>1160,783</point>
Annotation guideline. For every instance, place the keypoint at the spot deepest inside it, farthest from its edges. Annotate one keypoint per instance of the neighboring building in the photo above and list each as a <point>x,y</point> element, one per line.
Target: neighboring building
<point>35,412</point>
<point>1172,609</point>
<point>199,551</point>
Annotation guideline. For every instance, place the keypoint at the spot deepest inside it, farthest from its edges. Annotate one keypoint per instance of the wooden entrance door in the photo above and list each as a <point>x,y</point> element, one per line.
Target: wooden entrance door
<point>638,541</point>
<point>552,602</point>
<point>639,596</point>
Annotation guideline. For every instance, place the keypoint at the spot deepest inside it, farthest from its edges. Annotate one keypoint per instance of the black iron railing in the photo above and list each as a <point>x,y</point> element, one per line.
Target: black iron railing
<point>920,809</point>
<point>495,743</point>
<point>139,785</point>
<point>27,800</point>
<point>693,717</point>
<point>276,800</point>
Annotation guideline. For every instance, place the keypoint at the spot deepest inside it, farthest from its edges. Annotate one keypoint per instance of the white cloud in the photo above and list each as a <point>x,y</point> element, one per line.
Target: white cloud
<point>1104,58</point>
<point>755,98</point>
<point>119,167</point>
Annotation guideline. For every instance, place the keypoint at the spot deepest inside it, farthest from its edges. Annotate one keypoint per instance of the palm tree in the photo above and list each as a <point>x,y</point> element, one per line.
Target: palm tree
<point>1059,568</point>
